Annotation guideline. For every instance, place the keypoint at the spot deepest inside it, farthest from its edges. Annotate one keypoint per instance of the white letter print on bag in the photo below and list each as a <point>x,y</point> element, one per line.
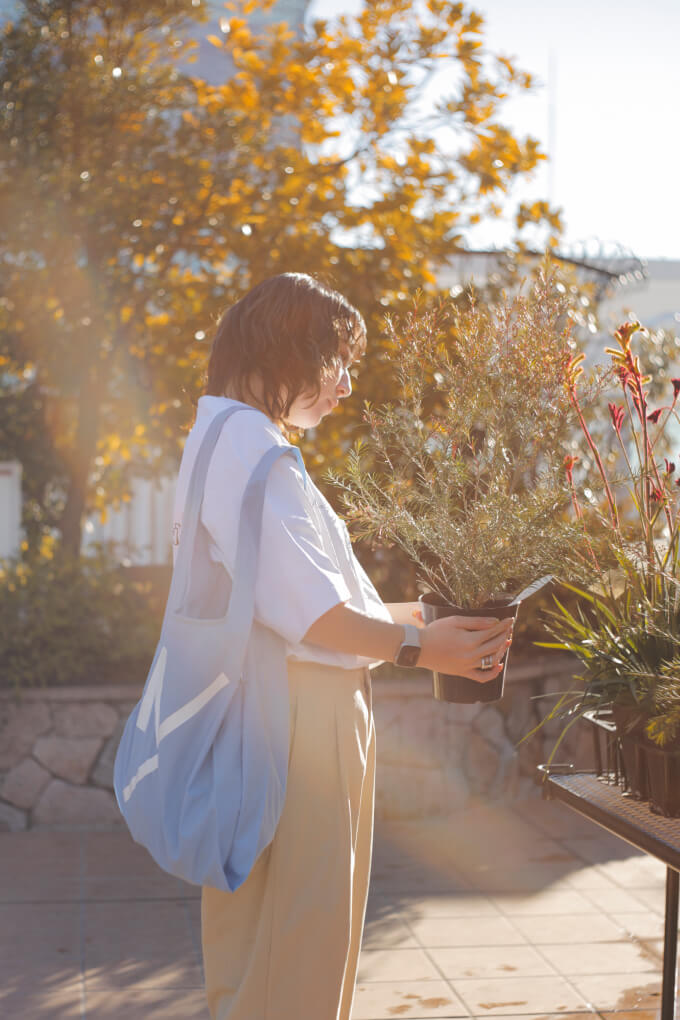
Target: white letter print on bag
<point>152,700</point>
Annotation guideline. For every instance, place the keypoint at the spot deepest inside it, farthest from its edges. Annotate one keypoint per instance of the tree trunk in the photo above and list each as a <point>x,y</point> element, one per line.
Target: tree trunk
<point>79,460</point>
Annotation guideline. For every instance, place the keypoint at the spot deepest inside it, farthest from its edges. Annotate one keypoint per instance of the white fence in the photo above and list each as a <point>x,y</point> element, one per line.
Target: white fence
<point>141,530</point>
<point>10,508</point>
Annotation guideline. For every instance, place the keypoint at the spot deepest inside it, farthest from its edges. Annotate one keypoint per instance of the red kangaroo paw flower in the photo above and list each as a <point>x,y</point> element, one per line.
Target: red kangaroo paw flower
<point>569,462</point>
<point>617,415</point>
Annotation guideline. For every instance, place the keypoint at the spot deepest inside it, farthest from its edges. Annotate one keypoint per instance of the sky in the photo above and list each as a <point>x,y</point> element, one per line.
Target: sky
<point>605,111</point>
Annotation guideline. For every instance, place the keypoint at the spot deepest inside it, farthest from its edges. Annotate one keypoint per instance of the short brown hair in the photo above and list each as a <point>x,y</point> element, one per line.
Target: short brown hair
<point>288,330</point>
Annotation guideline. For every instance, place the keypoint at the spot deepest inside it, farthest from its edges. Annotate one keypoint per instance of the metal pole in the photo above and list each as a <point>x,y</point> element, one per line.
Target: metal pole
<point>670,947</point>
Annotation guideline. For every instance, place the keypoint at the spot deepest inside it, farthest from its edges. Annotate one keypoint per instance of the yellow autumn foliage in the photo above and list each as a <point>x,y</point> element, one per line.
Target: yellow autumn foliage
<point>308,154</point>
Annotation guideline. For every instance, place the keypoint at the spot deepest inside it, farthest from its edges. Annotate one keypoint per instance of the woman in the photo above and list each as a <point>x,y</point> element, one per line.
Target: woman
<point>285,945</point>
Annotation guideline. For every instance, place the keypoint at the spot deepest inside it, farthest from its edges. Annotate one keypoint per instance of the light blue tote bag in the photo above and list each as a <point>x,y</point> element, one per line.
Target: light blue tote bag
<point>201,768</point>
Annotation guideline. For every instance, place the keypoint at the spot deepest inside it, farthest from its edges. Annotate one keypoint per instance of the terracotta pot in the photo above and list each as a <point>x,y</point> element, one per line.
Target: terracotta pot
<point>461,689</point>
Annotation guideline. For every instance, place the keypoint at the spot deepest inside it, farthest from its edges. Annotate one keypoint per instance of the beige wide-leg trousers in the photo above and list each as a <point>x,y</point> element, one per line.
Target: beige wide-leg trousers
<point>285,945</point>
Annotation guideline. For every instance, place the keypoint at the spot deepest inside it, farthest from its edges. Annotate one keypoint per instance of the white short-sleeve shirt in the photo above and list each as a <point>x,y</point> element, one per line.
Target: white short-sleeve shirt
<point>306,564</point>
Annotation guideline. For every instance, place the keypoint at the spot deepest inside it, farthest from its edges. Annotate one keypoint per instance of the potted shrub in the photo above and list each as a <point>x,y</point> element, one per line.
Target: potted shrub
<point>464,471</point>
<point>625,630</point>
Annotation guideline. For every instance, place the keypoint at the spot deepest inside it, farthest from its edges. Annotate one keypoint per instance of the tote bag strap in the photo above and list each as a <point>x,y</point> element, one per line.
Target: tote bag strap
<point>241,610</point>
<point>179,583</point>
<point>239,615</point>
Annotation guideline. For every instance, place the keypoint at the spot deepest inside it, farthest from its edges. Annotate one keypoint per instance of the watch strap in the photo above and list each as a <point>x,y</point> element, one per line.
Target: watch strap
<point>411,641</point>
<point>411,635</point>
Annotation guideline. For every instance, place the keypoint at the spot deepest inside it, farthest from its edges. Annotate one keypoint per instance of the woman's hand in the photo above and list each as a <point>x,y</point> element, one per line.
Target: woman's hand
<point>457,645</point>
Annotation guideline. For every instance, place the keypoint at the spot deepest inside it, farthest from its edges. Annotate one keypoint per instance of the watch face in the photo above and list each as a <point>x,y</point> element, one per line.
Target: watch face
<point>408,655</point>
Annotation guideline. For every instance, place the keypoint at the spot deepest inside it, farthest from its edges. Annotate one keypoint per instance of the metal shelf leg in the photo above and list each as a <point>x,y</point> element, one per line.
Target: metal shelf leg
<point>670,946</point>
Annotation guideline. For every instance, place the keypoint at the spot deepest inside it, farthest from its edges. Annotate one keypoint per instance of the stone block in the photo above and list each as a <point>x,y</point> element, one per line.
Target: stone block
<point>68,759</point>
<point>482,762</point>
<point>438,795</point>
<point>527,788</point>
<point>456,790</point>
<point>439,723</point>
<point>405,793</point>
<point>577,746</point>
<point>93,719</point>
<point>64,804</point>
<point>521,713</point>
<point>399,791</point>
<point>420,712</point>
<point>102,773</point>
<point>490,724</point>
<point>20,726</point>
<point>409,750</point>
<point>510,781</point>
<point>388,714</point>
<point>463,715</point>
<point>452,746</point>
<point>533,753</point>
<point>12,819</point>
<point>24,783</point>
<point>519,784</point>
<point>508,762</point>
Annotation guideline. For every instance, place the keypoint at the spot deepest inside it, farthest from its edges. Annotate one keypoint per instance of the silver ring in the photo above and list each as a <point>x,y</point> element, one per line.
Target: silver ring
<point>487,662</point>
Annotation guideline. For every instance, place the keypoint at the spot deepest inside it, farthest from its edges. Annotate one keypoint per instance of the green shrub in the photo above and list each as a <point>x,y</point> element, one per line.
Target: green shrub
<point>74,621</point>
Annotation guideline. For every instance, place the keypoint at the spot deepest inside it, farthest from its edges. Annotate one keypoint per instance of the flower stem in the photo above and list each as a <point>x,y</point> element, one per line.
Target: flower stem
<point>598,460</point>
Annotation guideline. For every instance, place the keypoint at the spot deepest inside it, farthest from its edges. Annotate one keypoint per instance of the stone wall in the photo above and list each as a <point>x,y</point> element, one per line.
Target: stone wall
<point>433,756</point>
<point>57,747</point>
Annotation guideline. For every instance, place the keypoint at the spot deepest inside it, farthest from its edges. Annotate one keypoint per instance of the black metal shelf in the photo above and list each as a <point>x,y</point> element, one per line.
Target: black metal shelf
<point>597,796</point>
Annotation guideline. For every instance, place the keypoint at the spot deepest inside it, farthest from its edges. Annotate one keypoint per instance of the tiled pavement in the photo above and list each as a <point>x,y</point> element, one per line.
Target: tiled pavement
<point>517,911</point>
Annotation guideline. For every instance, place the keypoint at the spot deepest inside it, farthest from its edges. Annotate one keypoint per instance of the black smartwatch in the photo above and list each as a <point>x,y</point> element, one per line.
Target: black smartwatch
<point>409,650</point>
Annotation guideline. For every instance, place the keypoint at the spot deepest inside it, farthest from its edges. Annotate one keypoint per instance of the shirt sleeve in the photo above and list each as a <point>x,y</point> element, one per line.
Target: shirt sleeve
<point>297,581</point>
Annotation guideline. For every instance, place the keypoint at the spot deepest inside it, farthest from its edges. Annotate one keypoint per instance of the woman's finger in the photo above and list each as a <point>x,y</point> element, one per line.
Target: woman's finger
<point>493,646</point>
<point>482,676</point>
<point>478,638</point>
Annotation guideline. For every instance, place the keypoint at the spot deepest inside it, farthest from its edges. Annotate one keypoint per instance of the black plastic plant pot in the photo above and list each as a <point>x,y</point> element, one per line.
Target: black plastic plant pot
<point>630,726</point>
<point>664,781</point>
<point>635,763</point>
<point>461,689</point>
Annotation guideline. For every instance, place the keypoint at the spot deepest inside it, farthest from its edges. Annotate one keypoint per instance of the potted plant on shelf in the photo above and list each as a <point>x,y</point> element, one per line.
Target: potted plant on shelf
<point>625,629</point>
<point>464,471</point>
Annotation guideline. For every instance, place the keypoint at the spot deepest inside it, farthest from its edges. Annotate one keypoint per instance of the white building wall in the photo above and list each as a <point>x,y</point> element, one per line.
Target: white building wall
<point>653,301</point>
